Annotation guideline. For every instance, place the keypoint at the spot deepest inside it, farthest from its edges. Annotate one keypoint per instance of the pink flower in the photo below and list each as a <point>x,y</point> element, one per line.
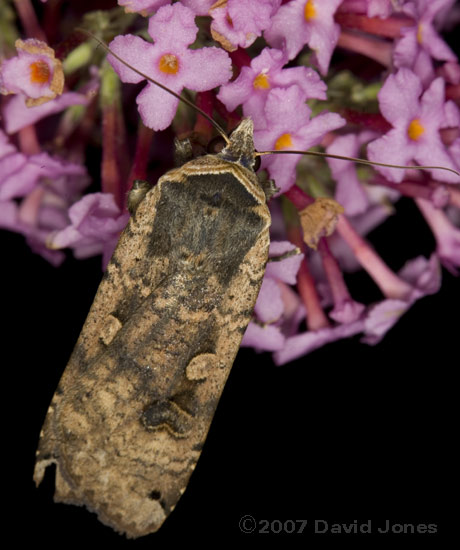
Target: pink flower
<point>47,186</point>
<point>425,278</point>
<point>143,6</point>
<point>349,192</point>
<point>170,62</point>
<point>34,72</point>
<point>446,234</point>
<point>416,121</point>
<point>277,306</point>
<point>95,225</point>
<point>303,22</point>
<point>20,174</point>
<point>239,22</point>
<point>305,342</point>
<point>200,7</point>
<point>265,73</point>
<point>380,8</point>
<point>17,115</point>
<point>420,43</point>
<point>373,8</point>
<point>289,127</point>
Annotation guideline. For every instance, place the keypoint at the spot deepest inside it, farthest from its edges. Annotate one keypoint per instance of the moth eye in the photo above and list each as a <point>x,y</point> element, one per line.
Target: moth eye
<point>257,162</point>
<point>216,145</point>
<point>155,495</point>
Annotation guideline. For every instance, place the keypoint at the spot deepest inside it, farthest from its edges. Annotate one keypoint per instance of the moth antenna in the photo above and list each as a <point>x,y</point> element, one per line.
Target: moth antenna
<point>153,81</point>
<point>357,160</point>
<point>257,153</point>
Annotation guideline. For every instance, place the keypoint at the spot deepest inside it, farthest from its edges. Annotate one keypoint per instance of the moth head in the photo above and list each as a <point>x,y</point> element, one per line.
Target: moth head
<point>241,145</point>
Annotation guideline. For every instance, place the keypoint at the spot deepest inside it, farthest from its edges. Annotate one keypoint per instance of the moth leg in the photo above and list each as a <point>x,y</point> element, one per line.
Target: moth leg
<point>138,191</point>
<point>183,151</point>
<point>294,252</point>
<point>269,187</point>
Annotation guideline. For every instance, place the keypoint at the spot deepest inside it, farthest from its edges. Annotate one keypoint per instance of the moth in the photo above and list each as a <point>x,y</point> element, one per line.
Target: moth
<point>128,420</point>
<point>127,423</point>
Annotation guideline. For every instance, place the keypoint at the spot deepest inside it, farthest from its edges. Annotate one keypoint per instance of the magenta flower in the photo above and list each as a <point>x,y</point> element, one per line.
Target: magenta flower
<point>38,215</point>
<point>373,8</point>
<point>303,22</point>
<point>200,7</point>
<point>416,121</point>
<point>450,71</point>
<point>20,174</point>
<point>47,186</point>
<point>170,62</point>
<point>143,6</point>
<point>454,151</point>
<point>95,225</point>
<point>305,342</point>
<point>263,337</point>
<point>265,73</point>
<point>424,277</point>
<point>364,223</point>
<point>348,192</point>
<point>239,22</point>
<point>269,306</point>
<point>381,8</point>
<point>446,234</point>
<point>6,147</point>
<point>420,43</point>
<point>289,127</point>
<point>34,72</point>
<point>17,115</point>
<point>277,307</point>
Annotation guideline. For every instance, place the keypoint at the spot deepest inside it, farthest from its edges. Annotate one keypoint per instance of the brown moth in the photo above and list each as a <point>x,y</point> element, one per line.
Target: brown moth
<point>130,415</point>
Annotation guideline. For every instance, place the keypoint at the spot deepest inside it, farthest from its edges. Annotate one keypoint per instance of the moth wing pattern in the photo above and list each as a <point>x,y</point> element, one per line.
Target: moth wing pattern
<point>128,420</point>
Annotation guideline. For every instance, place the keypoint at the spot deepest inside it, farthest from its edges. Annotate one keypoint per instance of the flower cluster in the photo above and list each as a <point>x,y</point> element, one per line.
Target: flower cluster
<point>359,78</point>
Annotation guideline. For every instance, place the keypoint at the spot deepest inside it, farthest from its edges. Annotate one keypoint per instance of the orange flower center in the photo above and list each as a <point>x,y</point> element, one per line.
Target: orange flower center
<point>283,142</point>
<point>261,82</point>
<point>39,72</point>
<point>415,129</point>
<point>309,10</point>
<point>169,63</point>
<point>420,33</point>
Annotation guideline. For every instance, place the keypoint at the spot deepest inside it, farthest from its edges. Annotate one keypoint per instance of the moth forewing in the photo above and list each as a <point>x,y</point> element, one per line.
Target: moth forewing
<point>132,410</point>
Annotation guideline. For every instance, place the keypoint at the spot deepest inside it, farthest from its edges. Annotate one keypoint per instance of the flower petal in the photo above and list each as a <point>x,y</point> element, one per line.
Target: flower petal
<point>17,115</point>
<point>301,344</point>
<point>392,148</point>
<point>206,68</point>
<point>286,269</point>
<point>382,318</point>
<point>269,306</point>
<point>156,107</point>
<point>263,338</point>
<point>399,97</point>
<point>136,52</point>
<point>173,26</point>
